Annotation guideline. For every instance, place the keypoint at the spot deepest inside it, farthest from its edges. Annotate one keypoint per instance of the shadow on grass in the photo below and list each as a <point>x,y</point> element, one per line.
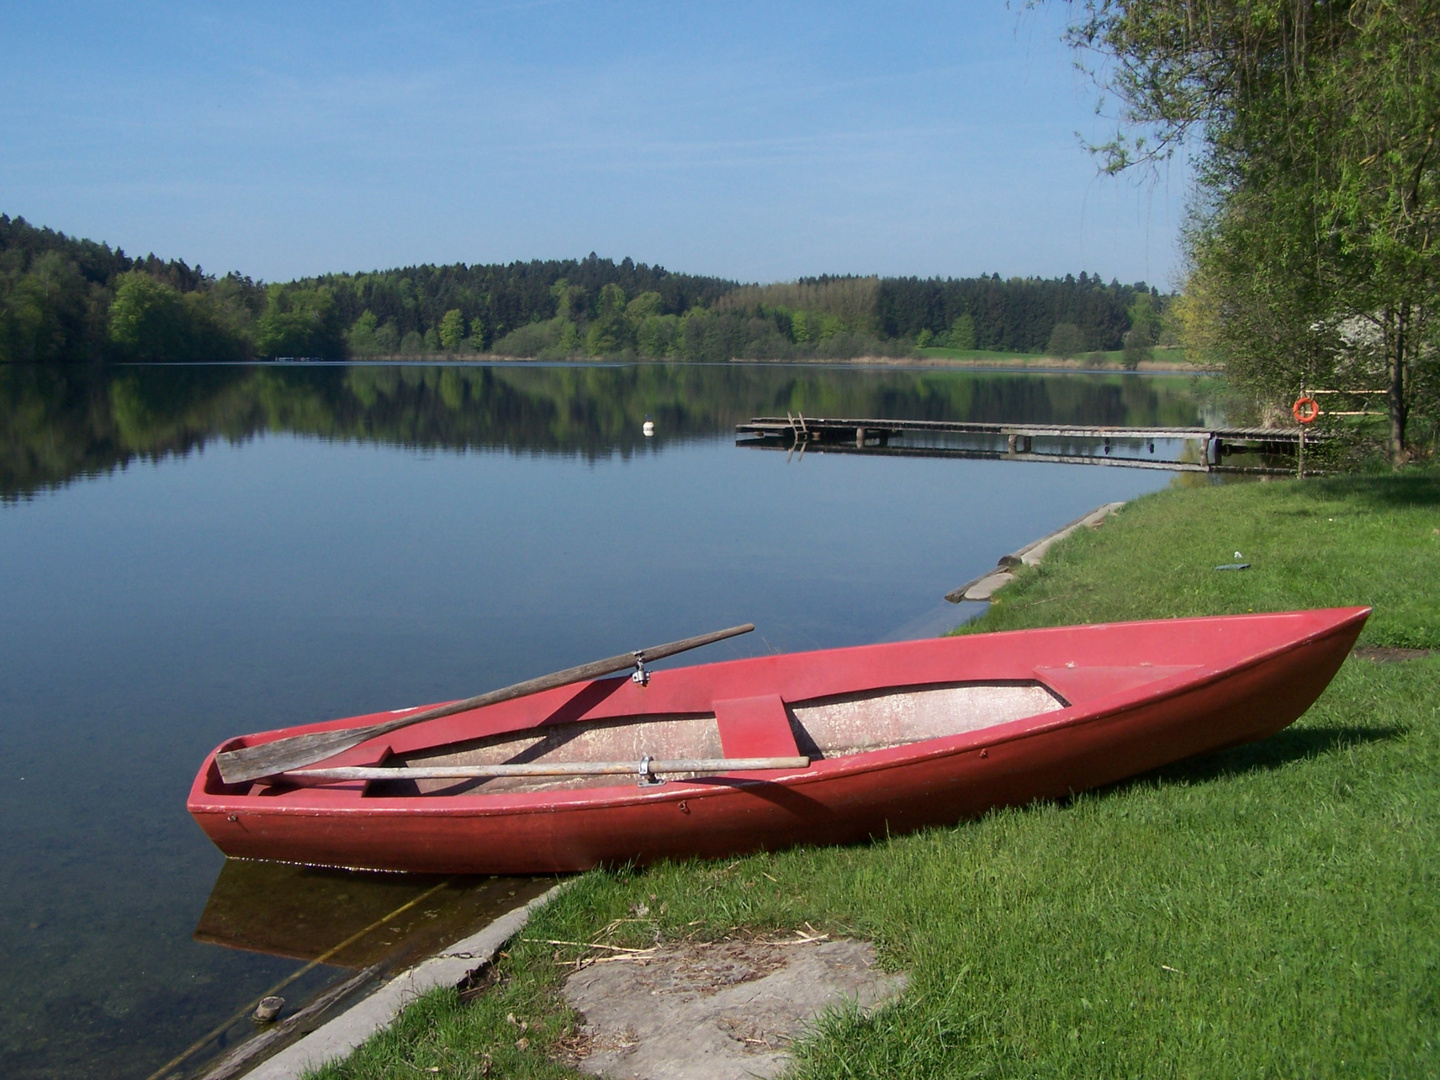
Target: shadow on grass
<point>1413,488</point>
<point>1279,750</point>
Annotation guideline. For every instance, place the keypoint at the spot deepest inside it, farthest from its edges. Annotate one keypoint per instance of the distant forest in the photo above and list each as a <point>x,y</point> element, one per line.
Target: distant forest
<point>66,300</point>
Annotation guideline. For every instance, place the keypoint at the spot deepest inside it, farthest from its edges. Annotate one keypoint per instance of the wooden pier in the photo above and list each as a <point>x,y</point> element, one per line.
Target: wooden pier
<point>1183,449</point>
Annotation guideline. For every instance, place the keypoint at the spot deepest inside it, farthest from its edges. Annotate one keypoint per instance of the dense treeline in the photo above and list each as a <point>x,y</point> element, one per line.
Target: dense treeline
<point>64,299</point>
<point>1018,315</point>
<point>405,311</point>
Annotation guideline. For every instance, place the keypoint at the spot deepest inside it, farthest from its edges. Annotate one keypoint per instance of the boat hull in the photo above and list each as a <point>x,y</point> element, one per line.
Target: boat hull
<point>1132,696</point>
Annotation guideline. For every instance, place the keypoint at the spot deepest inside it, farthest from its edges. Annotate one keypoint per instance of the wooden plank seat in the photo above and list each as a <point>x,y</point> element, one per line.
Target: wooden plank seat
<point>755,727</point>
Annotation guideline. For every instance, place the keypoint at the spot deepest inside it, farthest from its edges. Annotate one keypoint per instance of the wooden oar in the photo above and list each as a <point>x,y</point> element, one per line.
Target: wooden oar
<point>645,768</point>
<point>297,751</point>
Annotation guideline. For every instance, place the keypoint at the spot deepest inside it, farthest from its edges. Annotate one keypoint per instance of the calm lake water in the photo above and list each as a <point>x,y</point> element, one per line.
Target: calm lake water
<point>190,553</point>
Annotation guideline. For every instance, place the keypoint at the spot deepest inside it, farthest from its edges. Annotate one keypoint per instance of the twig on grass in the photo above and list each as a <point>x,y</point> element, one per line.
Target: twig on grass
<point>591,945</point>
<point>800,939</point>
<point>582,962</point>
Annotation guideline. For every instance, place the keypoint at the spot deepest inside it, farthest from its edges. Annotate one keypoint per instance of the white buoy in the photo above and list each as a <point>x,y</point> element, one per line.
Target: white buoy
<point>648,428</point>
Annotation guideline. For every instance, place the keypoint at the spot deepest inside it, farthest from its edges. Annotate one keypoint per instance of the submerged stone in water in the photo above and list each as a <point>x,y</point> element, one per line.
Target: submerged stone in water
<point>268,1009</point>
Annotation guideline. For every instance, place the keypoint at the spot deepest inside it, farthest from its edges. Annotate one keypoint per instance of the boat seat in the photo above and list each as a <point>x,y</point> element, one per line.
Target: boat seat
<point>755,727</point>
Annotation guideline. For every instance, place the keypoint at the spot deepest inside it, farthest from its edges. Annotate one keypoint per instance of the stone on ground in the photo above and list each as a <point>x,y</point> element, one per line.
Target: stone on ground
<point>719,1011</point>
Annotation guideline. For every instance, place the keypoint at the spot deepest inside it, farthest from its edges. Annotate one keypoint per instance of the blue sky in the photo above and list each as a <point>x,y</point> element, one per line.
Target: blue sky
<point>758,141</point>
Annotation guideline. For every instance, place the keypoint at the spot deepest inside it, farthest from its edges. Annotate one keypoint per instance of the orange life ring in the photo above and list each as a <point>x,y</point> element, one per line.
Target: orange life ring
<point>1306,410</point>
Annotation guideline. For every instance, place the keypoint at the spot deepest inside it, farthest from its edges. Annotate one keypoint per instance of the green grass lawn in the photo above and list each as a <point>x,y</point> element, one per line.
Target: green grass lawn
<point>1270,911</point>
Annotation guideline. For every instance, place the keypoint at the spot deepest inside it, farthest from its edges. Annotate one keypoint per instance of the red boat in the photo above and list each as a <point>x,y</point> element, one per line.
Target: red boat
<point>856,742</point>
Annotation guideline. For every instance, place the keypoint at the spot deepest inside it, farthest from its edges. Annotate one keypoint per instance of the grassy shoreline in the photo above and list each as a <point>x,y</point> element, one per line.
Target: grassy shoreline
<point>1163,358</point>
<point>1265,911</point>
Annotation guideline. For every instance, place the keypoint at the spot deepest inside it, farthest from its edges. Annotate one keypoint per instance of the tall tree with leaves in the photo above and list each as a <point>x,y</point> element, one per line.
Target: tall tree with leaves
<point>299,322</point>
<point>452,329</point>
<point>1314,238</point>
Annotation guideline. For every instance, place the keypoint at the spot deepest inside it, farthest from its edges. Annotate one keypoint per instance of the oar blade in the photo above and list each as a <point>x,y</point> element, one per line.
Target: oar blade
<point>293,752</point>
<point>297,751</point>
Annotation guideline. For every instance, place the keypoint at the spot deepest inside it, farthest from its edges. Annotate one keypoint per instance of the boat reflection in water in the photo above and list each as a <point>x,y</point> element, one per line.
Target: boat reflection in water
<point>370,923</point>
<point>351,919</point>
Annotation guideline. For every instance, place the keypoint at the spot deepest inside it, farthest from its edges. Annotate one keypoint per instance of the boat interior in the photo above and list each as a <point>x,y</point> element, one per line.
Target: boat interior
<point>822,728</point>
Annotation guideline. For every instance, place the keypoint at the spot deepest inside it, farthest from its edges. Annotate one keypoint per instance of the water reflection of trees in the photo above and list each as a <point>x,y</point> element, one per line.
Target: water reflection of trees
<point>62,422</point>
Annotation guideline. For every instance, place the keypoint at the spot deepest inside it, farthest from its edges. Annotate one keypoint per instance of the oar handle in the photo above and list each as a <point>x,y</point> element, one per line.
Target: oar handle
<point>659,652</point>
<point>593,670</point>
<point>297,751</point>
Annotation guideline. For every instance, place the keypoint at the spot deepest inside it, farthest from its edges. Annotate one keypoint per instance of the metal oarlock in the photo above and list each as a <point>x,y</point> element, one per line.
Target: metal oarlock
<point>647,775</point>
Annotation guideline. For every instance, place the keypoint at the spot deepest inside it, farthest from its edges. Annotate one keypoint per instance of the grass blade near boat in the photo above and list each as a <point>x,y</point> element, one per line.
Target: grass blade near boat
<point>897,737</point>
